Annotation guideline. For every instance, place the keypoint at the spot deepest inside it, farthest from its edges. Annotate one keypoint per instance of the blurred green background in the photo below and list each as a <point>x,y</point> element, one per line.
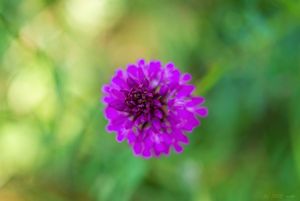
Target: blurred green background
<point>55,55</point>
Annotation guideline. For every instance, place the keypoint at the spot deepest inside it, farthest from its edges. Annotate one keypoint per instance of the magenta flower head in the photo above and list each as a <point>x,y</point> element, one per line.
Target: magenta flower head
<point>152,107</point>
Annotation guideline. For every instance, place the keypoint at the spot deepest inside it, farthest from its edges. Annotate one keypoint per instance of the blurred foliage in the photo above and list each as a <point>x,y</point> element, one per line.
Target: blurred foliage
<point>55,56</point>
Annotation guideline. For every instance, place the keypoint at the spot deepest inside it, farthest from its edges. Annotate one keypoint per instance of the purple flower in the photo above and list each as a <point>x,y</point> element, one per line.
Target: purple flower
<point>152,107</point>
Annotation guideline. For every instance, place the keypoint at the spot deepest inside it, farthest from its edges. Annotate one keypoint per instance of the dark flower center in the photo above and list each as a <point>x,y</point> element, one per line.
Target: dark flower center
<point>150,103</point>
<point>139,101</point>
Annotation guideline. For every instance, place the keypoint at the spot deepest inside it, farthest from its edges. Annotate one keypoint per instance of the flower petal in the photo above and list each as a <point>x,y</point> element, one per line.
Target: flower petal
<point>137,148</point>
<point>202,112</point>
<point>185,90</point>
